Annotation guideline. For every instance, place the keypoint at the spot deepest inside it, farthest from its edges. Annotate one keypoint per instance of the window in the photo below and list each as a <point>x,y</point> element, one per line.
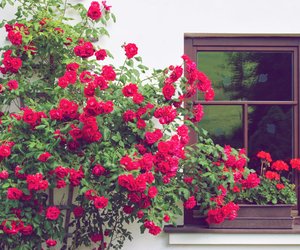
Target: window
<point>256,82</point>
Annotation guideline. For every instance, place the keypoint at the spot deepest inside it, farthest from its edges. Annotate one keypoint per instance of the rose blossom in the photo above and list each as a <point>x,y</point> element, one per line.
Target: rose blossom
<point>51,242</point>
<point>44,157</point>
<point>101,54</point>
<point>13,84</point>
<point>190,203</point>
<point>14,193</point>
<point>130,50</point>
<point>52,213</point>
<point>100,202</point>
<point>78,211</point>
<point>94,11</point>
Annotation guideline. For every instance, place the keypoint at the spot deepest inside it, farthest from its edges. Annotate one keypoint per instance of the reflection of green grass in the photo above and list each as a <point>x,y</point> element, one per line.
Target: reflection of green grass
<point>213,65</point>
<point>221,120</point>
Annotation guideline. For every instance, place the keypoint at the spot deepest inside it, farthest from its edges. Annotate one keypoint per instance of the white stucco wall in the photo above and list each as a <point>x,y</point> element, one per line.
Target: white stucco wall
<point>158,27</point>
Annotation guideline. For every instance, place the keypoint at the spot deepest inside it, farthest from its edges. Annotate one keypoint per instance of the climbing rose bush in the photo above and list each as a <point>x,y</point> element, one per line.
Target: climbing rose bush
<point>111,138</point>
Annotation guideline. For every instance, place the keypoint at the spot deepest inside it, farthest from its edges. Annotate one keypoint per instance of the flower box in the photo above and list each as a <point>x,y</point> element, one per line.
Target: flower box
<point>260,217</point>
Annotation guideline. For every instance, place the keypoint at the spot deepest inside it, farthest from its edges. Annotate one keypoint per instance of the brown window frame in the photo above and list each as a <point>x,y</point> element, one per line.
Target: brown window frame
<point>251,42</point>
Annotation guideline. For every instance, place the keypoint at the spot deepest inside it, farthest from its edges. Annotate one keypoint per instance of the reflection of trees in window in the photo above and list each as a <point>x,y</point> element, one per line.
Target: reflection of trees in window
<point>250,76</point>
<point>260,76</point>
<point>268,77</point>
<point>272,133</point>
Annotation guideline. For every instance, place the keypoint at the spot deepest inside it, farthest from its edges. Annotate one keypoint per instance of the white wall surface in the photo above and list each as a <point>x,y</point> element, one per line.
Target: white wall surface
<point>158,27</point>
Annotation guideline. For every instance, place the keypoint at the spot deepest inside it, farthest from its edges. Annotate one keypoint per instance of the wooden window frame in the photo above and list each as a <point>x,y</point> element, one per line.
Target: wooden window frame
<point>194,43</point>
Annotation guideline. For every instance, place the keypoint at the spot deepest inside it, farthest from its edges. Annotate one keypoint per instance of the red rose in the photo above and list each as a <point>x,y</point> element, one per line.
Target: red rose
<point>14,193</point>
<point>138,98</point>
<point>61,172</point>
<point>130,50</point>
<point>190,203</point>
<point>78,211</point>
<point>90,194</point>
<point>155,230</point>
<point>52,213</point>
<point>72,66</point>
<point>165,114</point>
<point>94,11</point>
<point>128,116</point>
<point>106,7</point>
<point>128,209</point>
<point>71,76</point>
<point>152,137</point>
<point>166,218</point>
<point>30,116</point>
<point>15,37</point>
<point>215,216</point>
<point>96,237</point>
<point>152,192</point>
<point>101,54</point>
<point>76,133</point>
<point>108,73</point>
<point>56,114</point>
<point>130,89</point>
<point>12,84</point>
<point>76,176</point>
<point>197,112</point>
<point>3,175</point>
<point>5,151</point>
<point>19,175</point>
<point>85,50</point>
<point>100,202</point>
<point>51,242</point>
<point>27,230</point>
<point>101,82</point>
<point>140,214</point>
<point>183,130</point>
<point>98,170</point>
<point>168,91</point>
<point>141,124</point>
<point>209,94</point>
<point>44,157</point>
<point>61,184</point>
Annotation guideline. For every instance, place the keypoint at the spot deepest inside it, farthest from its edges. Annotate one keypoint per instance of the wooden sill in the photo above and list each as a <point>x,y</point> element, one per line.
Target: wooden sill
<point>199,229</point>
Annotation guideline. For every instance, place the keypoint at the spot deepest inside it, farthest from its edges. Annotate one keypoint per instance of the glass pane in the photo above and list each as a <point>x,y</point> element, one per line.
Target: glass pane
<point>253,76</point>
<point>224,124</point>
<point>271,130</point>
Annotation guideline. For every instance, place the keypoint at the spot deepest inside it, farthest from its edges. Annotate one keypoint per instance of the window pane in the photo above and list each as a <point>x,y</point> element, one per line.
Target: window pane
<point>261,76</point>
<point>270,129</point>
<point>224,124</point>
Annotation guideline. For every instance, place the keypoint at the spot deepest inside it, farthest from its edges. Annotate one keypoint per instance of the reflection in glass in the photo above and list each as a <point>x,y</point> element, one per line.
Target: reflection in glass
<point>270,129</point>
<point>224,124</point>
<point>255,76</point>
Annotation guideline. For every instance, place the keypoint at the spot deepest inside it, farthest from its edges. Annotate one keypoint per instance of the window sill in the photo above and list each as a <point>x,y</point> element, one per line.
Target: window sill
<point>195,235</point>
